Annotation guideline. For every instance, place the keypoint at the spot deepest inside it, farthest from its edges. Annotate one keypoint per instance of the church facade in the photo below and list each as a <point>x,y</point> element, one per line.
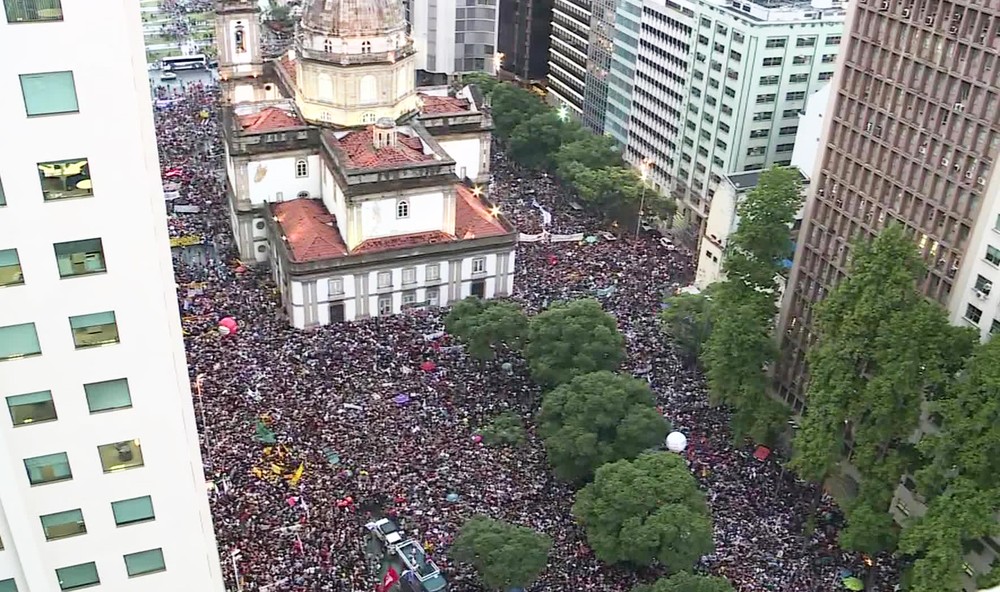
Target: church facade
<point>361,192</point>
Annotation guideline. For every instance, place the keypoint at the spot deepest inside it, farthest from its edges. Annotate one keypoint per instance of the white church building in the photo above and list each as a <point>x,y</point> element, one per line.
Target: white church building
<point>361,193</point>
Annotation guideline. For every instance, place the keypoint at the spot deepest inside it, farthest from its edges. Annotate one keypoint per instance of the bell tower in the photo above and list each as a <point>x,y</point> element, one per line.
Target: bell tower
<point>237,36</point>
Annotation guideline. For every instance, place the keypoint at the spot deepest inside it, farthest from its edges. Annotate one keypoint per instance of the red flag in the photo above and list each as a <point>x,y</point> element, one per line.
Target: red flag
<point>390,579</point>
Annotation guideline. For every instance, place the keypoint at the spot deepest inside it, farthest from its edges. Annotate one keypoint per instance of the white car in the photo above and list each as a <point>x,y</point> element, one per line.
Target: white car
<point>386,531</point>
<point>168,76</point>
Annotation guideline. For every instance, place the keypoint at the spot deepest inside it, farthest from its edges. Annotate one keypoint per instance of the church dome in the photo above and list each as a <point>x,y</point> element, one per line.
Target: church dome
<point>354,18</point>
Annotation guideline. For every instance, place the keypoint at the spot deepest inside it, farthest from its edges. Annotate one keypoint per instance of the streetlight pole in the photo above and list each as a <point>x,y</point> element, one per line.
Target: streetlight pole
<point>235,555</point>
<point>644,173</point>
<point>201,411</point>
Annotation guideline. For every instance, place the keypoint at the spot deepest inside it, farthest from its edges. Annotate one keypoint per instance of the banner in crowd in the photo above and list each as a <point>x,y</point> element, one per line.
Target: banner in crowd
<point>531,238</point>
<point>187,209</point>
<point>555,238</point>
<point>187,241</point>
<point>567,238</point>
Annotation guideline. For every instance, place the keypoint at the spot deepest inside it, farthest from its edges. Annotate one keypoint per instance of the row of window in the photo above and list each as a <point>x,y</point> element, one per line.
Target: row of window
<point>75,577</point>
<point>796,95</point>
<point>32,11</point>
<point>62,179</point>
<point>432,273</point>
<point>89,330</point>
<point>773,80</point>
<point>52,468</point>
<point>33,408</point>
<point>73,258</point>
<point>61,525</point>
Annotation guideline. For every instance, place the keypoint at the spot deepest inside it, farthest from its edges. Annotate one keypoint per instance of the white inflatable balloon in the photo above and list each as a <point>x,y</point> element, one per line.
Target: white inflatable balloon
<point>676,442</point>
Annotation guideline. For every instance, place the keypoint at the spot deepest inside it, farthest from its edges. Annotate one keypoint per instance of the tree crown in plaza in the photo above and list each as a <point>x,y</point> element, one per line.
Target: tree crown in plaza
<point>485,326</point>
<point>646,510</point>
<point>687,582</point>
<point>741,344</point>
<point>572,338</point>
<point>881,348</point>
<point>687,320</point>
<point>505,555</point>
<point>959,480</point>
<point>596,419</point>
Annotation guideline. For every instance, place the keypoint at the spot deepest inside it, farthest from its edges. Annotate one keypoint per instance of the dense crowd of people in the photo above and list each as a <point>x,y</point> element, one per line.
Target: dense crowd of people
<point>331,398</point>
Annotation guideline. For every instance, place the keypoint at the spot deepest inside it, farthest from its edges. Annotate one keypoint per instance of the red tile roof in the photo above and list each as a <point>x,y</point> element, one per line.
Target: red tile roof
<point>362,154</point>
<point>472,219</point>
<point>269,119</point>
<point>438,105</point>
<point>309,229</point>
<point>288,65</point>
<point>402,241</point>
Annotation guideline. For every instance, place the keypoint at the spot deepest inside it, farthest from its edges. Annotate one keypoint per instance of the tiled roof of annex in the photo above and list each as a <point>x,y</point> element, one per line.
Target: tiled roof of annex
<point>438,105</point>
<point>269,119</point>
<point>311,234</point>
<point>359,146</point>
<point>287,63</point>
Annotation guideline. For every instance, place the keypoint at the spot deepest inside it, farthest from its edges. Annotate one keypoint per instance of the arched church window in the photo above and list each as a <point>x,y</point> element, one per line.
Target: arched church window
<point>240,39</point>
<point>301,168</point>
<point>328,46</point>
<point>368,118</point>
<point>368,91</point>
<point>366,47</point>
<point>402,209</point>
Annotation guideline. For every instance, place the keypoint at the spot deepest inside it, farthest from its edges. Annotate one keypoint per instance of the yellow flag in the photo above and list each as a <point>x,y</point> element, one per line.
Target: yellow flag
<point>297,475</point>
<point>277,469</point>
<point>257,472</point>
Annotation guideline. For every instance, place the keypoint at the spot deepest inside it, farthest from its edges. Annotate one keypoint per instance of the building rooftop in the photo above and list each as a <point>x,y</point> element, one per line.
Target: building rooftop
<point>311,233</point>
<point>287,63</point>
<point>269,119</point>
<point>359,146</point>
<point>747,180</point>
<point>438,105</point>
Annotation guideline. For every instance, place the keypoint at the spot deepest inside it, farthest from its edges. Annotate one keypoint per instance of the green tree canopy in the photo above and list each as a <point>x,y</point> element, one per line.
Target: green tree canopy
<point>592,151</point>
<point>960,478</point>
<point>595,419</point>
<point>615,191</point>
<point>741,345</point>
<point>687,320</point>
<point>645,510</point>
<point>485,325</point>
<point>687,582</point>
<point>484,81</point>
<point>536,139</point>
<point>572,338</point>
<point>506,429</point>
<point>881,347</point>
<point>504,555</point>
<point>511,105</point>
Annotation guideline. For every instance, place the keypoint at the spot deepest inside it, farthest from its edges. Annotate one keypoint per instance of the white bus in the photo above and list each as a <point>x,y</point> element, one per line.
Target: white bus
<point>190,62</point>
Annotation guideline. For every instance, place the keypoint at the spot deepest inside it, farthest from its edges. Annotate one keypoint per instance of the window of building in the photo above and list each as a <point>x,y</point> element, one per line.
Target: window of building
<point>797,78</point>
<point>996,224</point>
<point>79,576</point>
<point>133,511</point>
<point>80,257</point>
<point>708,117</point>
<point>738,37</point>
<point>32,11</point>
<point>336,286</point>
<point>108,395</point>
<point>763,116</point>
<point>7,585</point>
<point>366,47</point>
<point>735,56</point>
<point>409,275</point>
<point>760,133</point>
<point>784,147</point>
<point>433,271</point>
<point>409,297</point>
<point>802,60</point>
<point>790,113</point>
<point>433,296</point>
<point>240,38</point>
<point>3,197</point>
<point>31,408</point>
<point>368,117</point>
<point>49,468</point>
<point>713,83</point>
<point>995,327</point>
<point>805,42</point>
<point>65,179</point>
<point>385,279</point>
<point>769,80</point>
<point>10,268</point>
<point>757,151</point>
<point>402,209</point>
<point>730,92</point>
<point>833,40</point>
<point>119,456</point>
<point>775,42</point>
<point>719,143</point>
<point>301,168</point>
<point>797,95</point>
<point>702,40</point>
<point>328,45</point>
<point>63,524</point>
<point>49,93</point>
<point>829,58</point>
<point>726,110</point>
<point>723,127</point>
<point>384,305</point>
<point>983,284</point>
<point>92,330</point>
<point>479,265</point>
<point>144,562</point>
<point>768,98</point>
<point>19,341</point>
<point>824,76</point>
<point>973,313</point>
<point>788,130</point>
<point>992,255</point>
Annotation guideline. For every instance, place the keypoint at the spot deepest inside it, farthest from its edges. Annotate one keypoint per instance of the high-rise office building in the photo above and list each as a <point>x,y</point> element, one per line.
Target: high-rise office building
<point>450,36</point>
<point>101,480</point>
<point>599,50</point>
<point>523,37</point>
<point>719,87</point>
<point>911,136</point>
<point>568,51</point>
<point>628,18</point>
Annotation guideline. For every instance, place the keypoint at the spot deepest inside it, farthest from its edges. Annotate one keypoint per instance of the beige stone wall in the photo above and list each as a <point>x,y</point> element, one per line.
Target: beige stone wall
<point>355,95</point>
